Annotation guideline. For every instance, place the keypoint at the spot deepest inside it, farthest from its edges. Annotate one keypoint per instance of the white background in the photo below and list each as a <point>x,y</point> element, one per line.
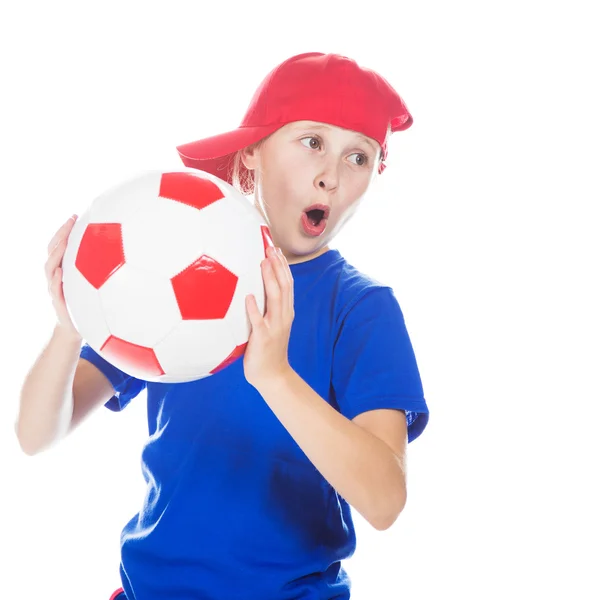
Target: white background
<point>485,223</point>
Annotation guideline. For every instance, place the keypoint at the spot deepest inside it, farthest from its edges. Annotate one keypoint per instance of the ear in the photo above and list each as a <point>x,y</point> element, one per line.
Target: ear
<point>250,156</point>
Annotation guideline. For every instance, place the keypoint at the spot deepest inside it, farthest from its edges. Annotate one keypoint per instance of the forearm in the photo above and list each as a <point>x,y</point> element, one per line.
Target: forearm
<point>358,465</point>
<point>46,399</point>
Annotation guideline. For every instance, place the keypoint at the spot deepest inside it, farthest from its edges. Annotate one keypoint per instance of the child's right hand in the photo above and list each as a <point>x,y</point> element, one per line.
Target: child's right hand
<point>53,268</point>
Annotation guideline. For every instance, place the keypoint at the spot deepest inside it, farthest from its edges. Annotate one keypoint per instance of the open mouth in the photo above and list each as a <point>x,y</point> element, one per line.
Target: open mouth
<point>317,212</point>
<point>315,216</point>
<point>314,219</point>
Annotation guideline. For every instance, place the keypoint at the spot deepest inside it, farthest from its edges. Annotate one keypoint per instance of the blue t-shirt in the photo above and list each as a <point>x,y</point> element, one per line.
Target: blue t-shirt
<point>234,509</point>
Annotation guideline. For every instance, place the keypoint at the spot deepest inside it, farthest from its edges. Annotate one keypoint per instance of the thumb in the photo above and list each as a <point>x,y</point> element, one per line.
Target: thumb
<point>253,312</point>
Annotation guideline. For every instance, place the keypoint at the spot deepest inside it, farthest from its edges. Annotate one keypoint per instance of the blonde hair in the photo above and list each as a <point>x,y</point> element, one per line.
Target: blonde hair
<point>243,179</point>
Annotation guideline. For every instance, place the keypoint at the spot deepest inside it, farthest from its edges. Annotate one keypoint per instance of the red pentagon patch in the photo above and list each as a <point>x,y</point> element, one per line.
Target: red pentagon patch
<point>100,252</point>
<point>204,290</point>
<point>239,350</point>
<point>267,239</point>
<point>127,354</point>
<point>189,189</point>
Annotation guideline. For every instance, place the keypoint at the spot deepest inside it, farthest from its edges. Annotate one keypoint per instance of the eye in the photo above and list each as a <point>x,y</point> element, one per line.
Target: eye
<point>363,159</point>
<point>312,138</point>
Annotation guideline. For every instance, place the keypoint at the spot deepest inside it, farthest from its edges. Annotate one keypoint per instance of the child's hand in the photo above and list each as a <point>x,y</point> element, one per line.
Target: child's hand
<point>53,269</point>
<point>266,354</point>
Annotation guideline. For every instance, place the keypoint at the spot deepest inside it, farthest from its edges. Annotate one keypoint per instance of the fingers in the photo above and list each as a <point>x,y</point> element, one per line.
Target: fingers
<point>57,247</point>
<point>55,259</point>
<point>273,291</point>
<point>55,284</point>
<point>58,298</point>
<point>63,231</point>
<point>54,274</point>
<point>286,282</point>
<point>279,285</point>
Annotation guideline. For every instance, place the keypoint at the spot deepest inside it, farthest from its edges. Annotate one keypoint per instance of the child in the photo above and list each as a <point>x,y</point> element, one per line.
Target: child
<point>251,472</point>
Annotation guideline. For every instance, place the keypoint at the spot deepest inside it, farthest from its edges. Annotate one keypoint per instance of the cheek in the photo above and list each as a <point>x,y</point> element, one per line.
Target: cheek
<point>352,190</point>
<point>283,183</point>
<point>361,185</point>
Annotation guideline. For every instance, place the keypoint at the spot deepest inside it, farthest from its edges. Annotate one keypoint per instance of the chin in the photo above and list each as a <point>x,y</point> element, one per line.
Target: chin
<point>296,254</point>
<point>298,246</point>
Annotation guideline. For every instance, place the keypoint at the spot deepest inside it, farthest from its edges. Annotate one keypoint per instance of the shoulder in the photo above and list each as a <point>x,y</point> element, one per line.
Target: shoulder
<point>360,295</point>
<point>336,288</point>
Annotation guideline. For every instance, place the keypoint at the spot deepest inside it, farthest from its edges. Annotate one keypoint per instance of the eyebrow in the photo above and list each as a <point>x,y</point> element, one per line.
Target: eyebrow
<point>325,128</point>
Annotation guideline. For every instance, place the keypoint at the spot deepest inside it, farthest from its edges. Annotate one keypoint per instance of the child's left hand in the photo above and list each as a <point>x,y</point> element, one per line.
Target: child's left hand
<point>266,354</point>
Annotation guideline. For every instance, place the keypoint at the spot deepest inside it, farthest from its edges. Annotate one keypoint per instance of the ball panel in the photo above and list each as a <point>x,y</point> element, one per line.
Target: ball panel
<point>139,307</point>
<point>194,348</point>
<point>229,191</point>
<point>85,307</point>
<point>120,202</point>
<point>166,378</point>
<point>204,290</point>
<point>163,237</point>
<point>185,188</point>
<point>238,352</point>
<point>246,203</point>
<point>68,261</point>
<point>222,185</point>
<point>100,252</point>
<point>237,320</point>
<point>138,361</point>
<point>231,237</point>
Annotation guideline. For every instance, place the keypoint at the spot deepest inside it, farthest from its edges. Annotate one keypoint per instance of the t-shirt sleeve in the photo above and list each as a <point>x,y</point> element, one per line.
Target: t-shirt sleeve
<point>126,387</point>
<point>374,365</point>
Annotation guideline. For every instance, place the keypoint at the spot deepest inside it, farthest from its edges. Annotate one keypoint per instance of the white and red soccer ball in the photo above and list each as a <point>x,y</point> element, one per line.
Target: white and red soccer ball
<point>156,272</point>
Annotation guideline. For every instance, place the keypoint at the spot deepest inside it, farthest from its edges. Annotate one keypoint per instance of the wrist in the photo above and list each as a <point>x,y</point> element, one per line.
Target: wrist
<point>277,382</point>
<point>68,335</point>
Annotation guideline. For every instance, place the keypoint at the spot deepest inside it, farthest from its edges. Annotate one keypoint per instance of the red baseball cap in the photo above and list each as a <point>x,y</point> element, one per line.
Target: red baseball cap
<point>327,88</point>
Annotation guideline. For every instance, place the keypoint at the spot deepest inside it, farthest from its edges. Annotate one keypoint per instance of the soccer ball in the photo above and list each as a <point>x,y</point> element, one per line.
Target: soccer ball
<point>156,272</point>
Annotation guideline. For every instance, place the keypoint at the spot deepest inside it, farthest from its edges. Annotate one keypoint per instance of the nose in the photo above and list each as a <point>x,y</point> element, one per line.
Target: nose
<point>328,179</point>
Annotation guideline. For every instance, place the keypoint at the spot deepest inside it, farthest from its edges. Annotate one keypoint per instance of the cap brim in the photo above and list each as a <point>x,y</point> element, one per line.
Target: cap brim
<point>214,154</point>
<point>402,123</point>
